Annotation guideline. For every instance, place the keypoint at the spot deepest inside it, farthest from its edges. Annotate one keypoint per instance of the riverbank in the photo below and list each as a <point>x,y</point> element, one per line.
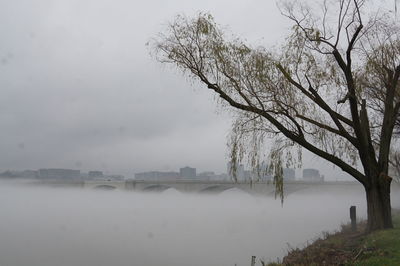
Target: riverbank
<point>350,248</point>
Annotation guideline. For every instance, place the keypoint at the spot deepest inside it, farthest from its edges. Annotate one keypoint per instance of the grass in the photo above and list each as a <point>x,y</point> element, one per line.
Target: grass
<point>350,248</point>
<point>382,247</point>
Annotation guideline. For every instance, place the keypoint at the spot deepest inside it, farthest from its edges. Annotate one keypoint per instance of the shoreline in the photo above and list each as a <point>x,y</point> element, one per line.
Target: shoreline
<point>349,248</point>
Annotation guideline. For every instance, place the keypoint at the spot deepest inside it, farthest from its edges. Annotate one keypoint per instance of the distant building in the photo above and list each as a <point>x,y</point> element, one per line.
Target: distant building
<point>29,174</point>
<point>248,175</point>
<point>221,177</point>
<point>239,172</point>
<point>187,172</point>
<point>8,174</point>
<point>312,175</point>
<point>59,174</point>
<point>156,175</point>
<point>99,175</point>
<point>206,175</point>
<point>289,174</point>
<point>95,175</point>
<point>114,177</point>
<point>263,175</point>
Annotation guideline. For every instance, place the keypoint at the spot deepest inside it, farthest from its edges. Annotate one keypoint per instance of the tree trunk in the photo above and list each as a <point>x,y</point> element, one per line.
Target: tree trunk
<point>378,204</point>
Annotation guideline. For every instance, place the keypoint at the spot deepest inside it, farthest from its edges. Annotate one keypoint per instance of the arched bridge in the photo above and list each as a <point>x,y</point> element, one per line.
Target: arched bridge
<point>205,186</point>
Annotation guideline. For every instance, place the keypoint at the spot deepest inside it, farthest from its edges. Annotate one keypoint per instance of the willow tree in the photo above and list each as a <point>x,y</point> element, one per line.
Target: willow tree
<point>331,88</point>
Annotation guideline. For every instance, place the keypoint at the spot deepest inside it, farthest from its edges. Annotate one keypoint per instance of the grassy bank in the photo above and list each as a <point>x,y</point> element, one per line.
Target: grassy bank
<point>351,248</point>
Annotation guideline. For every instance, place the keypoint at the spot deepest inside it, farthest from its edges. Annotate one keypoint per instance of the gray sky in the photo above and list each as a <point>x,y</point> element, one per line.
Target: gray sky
<point>79,89</point>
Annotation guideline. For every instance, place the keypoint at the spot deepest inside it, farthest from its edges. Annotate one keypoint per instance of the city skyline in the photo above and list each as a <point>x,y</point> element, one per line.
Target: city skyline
<point>242,174</point>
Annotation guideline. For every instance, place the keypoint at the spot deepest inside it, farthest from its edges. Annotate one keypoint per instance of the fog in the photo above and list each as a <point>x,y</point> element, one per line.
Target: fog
<point>70,227</point>
<point>80,89</point>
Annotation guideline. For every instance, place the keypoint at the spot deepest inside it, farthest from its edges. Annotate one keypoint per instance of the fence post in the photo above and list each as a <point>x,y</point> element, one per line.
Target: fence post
<point>253,260</point>
<point>353,218</point>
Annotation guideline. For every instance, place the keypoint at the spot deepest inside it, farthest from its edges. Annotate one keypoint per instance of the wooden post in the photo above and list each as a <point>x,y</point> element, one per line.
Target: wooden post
<point>253,260</point>
<point>353,218</point>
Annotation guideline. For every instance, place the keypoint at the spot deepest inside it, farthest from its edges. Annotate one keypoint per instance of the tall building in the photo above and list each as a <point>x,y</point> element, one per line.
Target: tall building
<point>187,172</point>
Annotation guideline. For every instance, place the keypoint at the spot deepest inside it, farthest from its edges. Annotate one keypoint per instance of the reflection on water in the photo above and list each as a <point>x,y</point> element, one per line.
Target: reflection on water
<point>67,227</point>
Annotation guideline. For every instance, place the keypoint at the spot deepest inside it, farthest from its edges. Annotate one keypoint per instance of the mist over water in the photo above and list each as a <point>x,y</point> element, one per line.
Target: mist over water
<point>70,227</point>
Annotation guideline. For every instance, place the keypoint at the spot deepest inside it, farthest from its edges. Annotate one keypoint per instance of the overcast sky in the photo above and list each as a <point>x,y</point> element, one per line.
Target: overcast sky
<point>80,90</point>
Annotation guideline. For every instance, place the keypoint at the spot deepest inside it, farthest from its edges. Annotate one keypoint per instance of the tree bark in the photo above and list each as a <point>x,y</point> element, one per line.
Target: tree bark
<point>378,204</point>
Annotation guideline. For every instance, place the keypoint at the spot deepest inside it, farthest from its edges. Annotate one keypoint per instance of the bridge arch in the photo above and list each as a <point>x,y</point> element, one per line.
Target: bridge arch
<point>236,190</point>
<point>215,189</point>
<point>156,188</point>
<point>105,187</point>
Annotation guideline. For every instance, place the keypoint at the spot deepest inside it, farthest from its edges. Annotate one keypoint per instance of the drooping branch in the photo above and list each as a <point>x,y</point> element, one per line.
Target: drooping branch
<point>295,137</point>
<point>315,97</point>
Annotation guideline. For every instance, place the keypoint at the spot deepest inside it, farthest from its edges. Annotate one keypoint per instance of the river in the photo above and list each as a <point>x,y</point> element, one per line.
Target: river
<point>82,227</point>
